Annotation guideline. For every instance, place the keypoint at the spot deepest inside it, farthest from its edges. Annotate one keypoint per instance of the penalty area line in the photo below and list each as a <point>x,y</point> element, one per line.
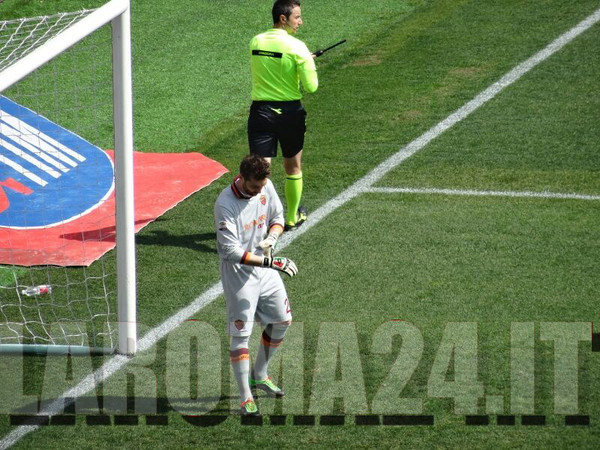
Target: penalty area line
<point>469,192</point>
<point>361,186</point>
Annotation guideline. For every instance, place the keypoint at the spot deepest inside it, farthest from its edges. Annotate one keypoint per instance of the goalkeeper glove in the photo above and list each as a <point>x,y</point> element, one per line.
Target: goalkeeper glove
<point>268,244</point>
<point>281,264</point>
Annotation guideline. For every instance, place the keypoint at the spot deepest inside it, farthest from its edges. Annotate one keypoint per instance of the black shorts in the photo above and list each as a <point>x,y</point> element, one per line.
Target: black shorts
<point>272,122</point>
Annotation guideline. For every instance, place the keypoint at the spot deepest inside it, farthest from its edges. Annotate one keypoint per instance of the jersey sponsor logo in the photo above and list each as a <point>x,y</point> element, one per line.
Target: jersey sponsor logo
<point>48,175</point>
<point>263,199</point>
<point>256,222</point>
<point>222,226</point>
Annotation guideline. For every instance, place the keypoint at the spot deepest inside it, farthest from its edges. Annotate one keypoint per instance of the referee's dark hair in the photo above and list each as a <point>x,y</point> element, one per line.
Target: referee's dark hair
<point>283,7</point>
<point>255,167</point>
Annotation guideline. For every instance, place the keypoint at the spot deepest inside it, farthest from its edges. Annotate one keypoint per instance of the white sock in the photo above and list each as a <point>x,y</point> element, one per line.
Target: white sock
<point>240,363</point>
<point>270,342</point>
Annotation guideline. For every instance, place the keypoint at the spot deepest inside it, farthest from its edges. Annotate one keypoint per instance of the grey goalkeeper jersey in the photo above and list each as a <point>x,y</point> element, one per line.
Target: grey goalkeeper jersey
<point>242,222</point>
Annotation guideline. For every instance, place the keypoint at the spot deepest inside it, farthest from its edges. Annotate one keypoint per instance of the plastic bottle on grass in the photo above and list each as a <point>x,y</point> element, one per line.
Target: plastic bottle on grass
<point>37,290</point>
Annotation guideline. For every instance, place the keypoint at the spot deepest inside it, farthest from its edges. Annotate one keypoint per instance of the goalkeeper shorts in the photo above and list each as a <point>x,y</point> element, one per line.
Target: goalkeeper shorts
<point>255,297</point>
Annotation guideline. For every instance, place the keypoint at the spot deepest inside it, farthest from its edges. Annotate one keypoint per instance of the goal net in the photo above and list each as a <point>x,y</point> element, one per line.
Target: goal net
<point>65,98</point>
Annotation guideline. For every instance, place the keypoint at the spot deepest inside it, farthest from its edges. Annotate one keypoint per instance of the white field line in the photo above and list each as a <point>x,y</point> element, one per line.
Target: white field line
<point>468,192</point>
<point>365,183</point>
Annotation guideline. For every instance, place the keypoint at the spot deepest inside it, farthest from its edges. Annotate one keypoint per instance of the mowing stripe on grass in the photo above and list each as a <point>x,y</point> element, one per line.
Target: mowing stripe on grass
<point>393,161</point>
<point>468,192</point>
<point>361,186</point>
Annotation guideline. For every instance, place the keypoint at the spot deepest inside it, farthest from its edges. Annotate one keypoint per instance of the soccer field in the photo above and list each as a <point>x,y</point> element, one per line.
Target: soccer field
<point>448,273</point>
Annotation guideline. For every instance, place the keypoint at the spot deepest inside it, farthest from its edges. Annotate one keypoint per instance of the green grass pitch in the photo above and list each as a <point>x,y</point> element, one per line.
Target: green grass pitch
<point>453,308</point>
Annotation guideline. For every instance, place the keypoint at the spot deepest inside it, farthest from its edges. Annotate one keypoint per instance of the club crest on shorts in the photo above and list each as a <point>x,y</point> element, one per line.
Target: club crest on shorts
<point>263,199</point>
<point>48,175</point>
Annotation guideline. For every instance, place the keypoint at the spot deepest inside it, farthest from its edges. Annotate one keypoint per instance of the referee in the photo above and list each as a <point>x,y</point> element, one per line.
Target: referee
<point>280,63</point>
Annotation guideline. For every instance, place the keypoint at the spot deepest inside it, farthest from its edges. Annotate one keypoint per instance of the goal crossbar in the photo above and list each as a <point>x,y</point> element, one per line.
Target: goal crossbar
<point>62,41</point>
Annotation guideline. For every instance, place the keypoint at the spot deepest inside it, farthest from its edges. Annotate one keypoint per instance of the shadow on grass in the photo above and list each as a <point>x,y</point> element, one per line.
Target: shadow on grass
<point>191,241</point>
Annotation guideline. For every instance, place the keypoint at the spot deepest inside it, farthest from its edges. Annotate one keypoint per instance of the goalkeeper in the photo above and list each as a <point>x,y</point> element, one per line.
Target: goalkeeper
<point>249,220</point>
<point>280,63</point>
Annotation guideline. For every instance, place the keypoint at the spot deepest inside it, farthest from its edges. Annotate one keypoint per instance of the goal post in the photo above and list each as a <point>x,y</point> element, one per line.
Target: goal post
<point>123,119</point>
<point>20,60</point>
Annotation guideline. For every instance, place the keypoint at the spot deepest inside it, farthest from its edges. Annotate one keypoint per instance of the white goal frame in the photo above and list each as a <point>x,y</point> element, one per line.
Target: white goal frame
<point>117,13</point>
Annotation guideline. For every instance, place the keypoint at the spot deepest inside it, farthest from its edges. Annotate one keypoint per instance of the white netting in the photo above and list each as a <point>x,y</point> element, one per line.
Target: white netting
<point>73,91</point>
<point>20,37</point>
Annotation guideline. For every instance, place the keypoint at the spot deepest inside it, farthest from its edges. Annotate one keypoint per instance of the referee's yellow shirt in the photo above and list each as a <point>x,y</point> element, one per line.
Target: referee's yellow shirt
<point>280,63</point>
